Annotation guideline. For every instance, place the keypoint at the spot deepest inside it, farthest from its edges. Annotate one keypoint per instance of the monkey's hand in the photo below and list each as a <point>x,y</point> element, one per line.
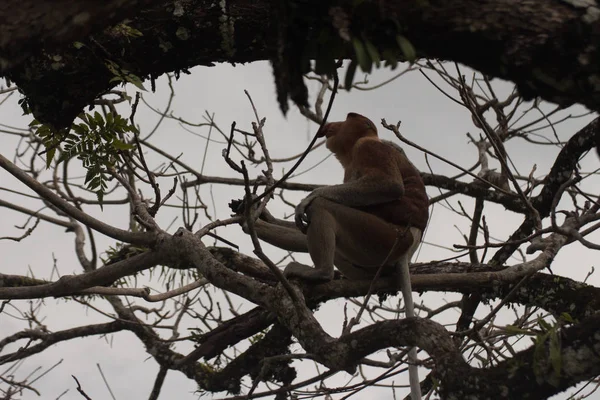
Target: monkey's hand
<point>302,219</point>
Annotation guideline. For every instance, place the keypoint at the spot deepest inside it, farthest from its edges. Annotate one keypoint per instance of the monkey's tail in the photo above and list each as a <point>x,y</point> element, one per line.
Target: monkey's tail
<point>403,274</point>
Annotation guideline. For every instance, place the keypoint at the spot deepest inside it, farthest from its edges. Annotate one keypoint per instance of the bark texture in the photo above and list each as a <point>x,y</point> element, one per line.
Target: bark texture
<point>28,27</point>
<point>549,48</point>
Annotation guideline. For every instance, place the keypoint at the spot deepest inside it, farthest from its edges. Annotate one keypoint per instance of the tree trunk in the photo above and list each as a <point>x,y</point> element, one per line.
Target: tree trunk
<point>547,47</point>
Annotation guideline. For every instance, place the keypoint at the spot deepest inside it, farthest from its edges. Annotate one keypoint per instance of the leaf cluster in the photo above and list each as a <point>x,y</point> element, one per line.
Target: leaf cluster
<point>370,26</point>
<point>123,75</point>
<point>98,141</point>
<point>330,34</point>
<point>548,340</point>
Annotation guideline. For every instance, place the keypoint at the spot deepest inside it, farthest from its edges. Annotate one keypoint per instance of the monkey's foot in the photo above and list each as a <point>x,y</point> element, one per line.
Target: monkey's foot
<point>302,271</point>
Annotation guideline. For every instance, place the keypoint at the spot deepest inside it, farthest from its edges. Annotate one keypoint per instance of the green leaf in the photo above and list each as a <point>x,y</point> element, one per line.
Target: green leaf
<point>100,196</point>
<point>136,81</point>
<point>544,325</point>
<point>567,318</point>
<point>133,129</point>
<point>396,24</point>
<point>390,58</point>
<point>120,145</point>
<point>129,31</point>
<point>516,330</point>
<point>107,135</point>
<point>361,55</point>
<point>95,182</point>
<point>555,354</point>
<point>350,75</point>
<point>50,156</point>
<point>408,50</point>
<point>538,356</point>
<point>98,118</point>
<point>112,67</point>
<point>373,52</point>
<point>89,176</point>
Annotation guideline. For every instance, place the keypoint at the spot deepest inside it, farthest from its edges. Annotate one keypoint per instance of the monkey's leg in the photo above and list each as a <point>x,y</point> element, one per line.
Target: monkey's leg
<point>405,285</point>
<point>267,217</point>
<point>337,232</point>
<point>321,242</point>
<point>351,271</point>
<point>286,238</point>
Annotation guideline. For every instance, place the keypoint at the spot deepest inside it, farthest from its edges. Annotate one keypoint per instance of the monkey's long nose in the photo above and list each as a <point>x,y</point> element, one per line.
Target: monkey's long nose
<point>324,131</point>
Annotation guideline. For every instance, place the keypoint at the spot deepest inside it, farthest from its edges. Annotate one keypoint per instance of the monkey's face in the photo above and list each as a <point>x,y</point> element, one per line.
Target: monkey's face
<point>341,136</point>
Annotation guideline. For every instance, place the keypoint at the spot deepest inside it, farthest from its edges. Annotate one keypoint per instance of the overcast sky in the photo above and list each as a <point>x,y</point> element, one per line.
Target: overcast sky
<point>428,118</point>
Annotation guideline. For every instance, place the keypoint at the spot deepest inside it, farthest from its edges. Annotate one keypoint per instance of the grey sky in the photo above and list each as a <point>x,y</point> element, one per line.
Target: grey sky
<point>428,118</point>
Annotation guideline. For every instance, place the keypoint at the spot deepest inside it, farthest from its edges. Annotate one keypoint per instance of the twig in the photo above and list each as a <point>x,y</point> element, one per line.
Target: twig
<point>158,383</point>
<point>395,130</point>
<point>140,238</point>
<point>311,144</point>
<point>355,320</point>
<point>80,390</point>
<point>105,381</point>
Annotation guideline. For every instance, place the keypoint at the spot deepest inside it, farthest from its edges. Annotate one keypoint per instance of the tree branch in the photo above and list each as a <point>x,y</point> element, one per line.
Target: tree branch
<point>547,47</point>
<point>50,338</point>
<point>140,238</point>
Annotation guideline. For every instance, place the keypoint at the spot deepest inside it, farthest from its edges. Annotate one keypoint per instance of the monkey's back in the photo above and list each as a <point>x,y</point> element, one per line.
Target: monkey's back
<point>409,210</point>
<point>412,209</point>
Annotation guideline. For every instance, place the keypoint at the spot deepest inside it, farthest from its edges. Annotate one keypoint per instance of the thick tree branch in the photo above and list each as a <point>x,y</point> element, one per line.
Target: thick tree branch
<point>46,24</point>
<point>141,238</point>
<point>18,287</point>
<point>547,47</point>
<point>345,352</point>
<point>524,376</point>
<point>583,141</point>
<point>48,339</point>
<point>36,214</point>
<point>255,361</point>
<point>229,333</point>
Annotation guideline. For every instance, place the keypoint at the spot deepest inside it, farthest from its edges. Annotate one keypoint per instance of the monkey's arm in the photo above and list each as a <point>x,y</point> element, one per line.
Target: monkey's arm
<point>237,206</point>
<point>367,190</point>
<point>376,179</point>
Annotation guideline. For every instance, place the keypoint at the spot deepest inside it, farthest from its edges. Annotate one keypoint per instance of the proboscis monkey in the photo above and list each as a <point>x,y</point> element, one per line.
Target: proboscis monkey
<point>379,213</point>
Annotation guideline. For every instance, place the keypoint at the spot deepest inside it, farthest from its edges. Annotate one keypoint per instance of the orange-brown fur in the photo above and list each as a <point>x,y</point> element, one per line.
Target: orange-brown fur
<point>369,216</point>
<point>377,214</point>
<point>412,207</point>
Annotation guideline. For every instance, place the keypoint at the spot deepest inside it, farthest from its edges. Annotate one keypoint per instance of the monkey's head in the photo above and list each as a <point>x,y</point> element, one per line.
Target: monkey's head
<point>341,136</point>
